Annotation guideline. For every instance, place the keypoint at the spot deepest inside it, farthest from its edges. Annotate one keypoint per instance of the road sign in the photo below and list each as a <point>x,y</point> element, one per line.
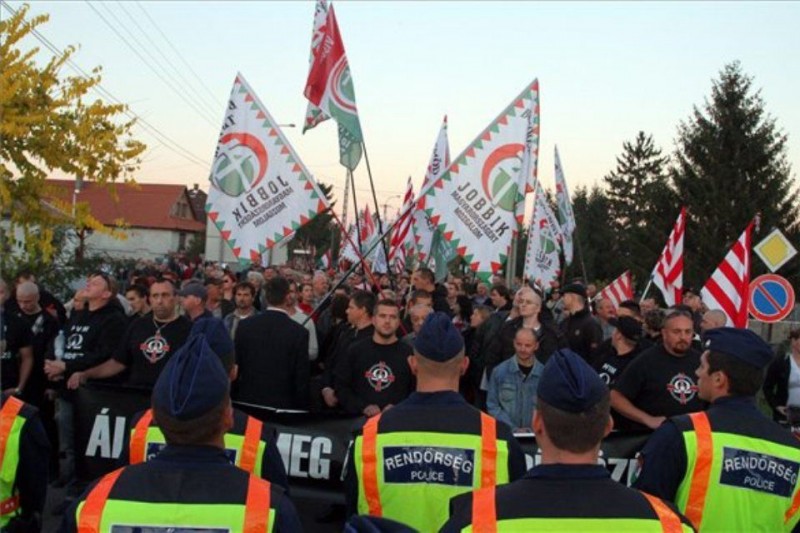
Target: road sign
<point>771,298</point>
<point>775,250</point>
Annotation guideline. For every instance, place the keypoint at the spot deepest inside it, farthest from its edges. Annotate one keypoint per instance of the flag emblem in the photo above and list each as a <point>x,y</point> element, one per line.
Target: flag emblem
<point>240,165</point>
<point>499,176</point>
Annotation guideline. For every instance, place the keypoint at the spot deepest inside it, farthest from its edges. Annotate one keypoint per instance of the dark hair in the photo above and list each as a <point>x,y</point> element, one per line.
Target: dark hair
<point>196,431</point>
<point>631,305</point>
<point>426,274</point>
<point>464,307</point>
<point>339,305</point>
<point>363,300</point>
<point>140,290</point>
<point>502,290</point>
<point>677,311</point>
<point>744,379</point>
<point>794,334</point>
<point>230,275</point>
<point>276,290</point>
<point>164,280</point>
<point>576,432</point>
<point>416,294</point>
<point>212,281</point>
<point>386,302</point>
<point>246,286</point>
<point>654,319</point>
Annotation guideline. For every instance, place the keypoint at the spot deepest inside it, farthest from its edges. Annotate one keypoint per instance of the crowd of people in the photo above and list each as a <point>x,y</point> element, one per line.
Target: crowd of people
<point>286,340</point>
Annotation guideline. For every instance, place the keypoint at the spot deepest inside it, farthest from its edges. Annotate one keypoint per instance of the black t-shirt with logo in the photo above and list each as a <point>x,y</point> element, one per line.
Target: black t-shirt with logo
<point>373,373</point>
<point>16,335</point>
<point>661,384</point>
<point>148,345</point>
<point>609,365</point>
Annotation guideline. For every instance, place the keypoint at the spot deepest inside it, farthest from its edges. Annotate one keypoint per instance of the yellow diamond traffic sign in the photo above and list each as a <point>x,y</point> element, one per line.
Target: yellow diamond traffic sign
<point>775,250</point>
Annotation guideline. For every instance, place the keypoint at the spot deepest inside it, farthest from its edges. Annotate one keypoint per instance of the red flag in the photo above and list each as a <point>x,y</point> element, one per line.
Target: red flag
<point>619,290</point>
<point>668,274</point>
<point>728,288</point>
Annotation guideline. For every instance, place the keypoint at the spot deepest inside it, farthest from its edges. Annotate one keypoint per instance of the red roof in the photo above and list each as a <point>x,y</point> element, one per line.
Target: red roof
<point>143,205</point>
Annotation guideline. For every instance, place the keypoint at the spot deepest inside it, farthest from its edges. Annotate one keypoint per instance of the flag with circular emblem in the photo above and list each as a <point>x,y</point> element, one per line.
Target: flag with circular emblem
<point>422,227</point>
<point>261,193</point>
<point>474,202</point>
<point>542,265</point>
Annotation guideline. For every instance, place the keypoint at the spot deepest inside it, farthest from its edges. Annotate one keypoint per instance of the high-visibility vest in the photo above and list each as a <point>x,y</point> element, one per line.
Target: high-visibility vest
<point>720,467</point>
<point>100,512</point>
<point>423,504</point>
<point>249,448</point>
<point>11,423</point>
<point>485,520</point>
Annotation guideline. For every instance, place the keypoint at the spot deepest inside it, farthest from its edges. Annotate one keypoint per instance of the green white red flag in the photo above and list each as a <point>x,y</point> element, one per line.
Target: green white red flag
<point>330,87</point>
<point>261,192</point>
<point>422,227</point>
<point>314,114</point>
<point>542,265</point>
<point>565,215</point>
<point>474,203</point>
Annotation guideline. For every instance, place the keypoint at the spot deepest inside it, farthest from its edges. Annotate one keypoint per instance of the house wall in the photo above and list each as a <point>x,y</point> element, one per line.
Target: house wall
<point>140,244</point>
<point>218,250</point>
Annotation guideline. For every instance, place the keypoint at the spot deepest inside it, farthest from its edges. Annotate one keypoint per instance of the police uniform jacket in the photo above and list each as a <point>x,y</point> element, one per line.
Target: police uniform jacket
<point>199,479</point>
<point>752,441</point>
<point>560,497</point>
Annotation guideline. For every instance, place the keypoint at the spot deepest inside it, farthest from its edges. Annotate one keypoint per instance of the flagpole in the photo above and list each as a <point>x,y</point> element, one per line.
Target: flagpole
<point>355,206</point>
<point>378,214</point>
<point>646,289</point>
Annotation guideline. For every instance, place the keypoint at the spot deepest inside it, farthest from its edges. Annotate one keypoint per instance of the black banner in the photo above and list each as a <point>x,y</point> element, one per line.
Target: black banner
<point>313,446</point>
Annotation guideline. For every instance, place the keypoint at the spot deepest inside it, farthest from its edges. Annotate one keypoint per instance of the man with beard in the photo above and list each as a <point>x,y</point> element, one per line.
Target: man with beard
<point>148,342</point>
<point>374,375</point>
<point>661,382</point>
<point>244,295</point>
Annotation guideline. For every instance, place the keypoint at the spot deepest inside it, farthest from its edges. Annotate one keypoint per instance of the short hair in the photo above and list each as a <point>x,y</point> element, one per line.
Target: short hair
<point>576,432</point>
<point>111,283</point>
<point>212,281</point>
<point>794,334</point>
<point>484,310</point>
<point>420,308</point>
<point>244,286</point>
<point>464,306</point>
<point>632,306</point>
<point>654,319</point>
<point>199,430</point>
<point>27,288</point>
<point>385,302</point>
<point>502,290</point>
<point>426,274</point>
<point>276,290</point>
<point>416,294</point>
<point>140,290</point>
<point>339,304</point>
<point>363,300</point>
<point>744,379</point>
<point>163,280</point>
<point>255,277</point>
<point>677,312</point>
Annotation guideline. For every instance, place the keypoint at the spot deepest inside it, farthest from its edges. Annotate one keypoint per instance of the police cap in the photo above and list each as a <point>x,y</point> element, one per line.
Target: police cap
<point>574,288</point>
<point>568,383</point>
<point>742,344</point>
<point>438,340</point>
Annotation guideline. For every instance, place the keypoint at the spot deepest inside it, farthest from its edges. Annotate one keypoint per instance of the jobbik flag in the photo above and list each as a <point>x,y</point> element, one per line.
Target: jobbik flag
<point>474,203</point>
<point>422,227</point>
<point>530,164</point>
<point>261,192</point>
<point>330,87</point>
<point>542,265</point>
<point>314,114</point>
<point>565,215</point>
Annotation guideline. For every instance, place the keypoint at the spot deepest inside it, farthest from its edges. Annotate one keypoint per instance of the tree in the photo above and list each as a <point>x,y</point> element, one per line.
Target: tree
<point>592,238</point>
<point>642,207</point>
<point>49,124</point>
<point>731,164</point>
<point>321,232</point>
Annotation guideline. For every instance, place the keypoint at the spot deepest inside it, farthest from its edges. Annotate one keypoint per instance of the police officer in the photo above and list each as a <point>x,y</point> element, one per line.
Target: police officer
<point>729,468</point>
<point>250,444</point>
<point>191,484</point>
<point>408,461</point>
<point>24,452</point>
<point>568,491</point>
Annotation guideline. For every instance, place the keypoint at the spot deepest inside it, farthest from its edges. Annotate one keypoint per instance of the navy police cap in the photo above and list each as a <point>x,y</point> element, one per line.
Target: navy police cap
<point>438,340</point>
<point>568,383</point>
<point>740,343</point>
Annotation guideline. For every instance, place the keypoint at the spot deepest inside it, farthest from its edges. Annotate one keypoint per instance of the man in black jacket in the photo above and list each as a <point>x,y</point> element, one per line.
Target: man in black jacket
<point>272,354</point>
<point>424,279</point>
<point>580,330</point>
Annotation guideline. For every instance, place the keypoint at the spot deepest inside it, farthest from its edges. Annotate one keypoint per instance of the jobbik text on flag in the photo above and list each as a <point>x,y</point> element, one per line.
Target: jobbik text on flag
<point>261,192</point>
<point>422,227</point>
<point>474,202</point>
<point>542,265</point>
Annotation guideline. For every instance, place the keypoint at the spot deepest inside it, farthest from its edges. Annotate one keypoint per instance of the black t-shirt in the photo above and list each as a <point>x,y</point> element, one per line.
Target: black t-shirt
<point>609,365</point>
<point>661,384</point>
<point>148,345</point>
<point>374,373</point>
<point>16,335</point>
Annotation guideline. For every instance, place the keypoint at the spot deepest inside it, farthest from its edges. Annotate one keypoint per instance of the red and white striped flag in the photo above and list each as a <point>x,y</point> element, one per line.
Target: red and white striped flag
<point>619,290</point>
<point>668,274</point>
<point>401,235</point>
<point>728,287</point>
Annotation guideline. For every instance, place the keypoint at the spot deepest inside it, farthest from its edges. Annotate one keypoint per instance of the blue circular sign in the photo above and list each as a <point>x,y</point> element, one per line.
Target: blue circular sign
<point>771,298</point>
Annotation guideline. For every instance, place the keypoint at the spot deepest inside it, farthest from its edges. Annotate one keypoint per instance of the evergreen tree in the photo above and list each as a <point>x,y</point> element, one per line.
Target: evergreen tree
<point>641,206</point>
<point>731,164</point>
<point>593,234</point>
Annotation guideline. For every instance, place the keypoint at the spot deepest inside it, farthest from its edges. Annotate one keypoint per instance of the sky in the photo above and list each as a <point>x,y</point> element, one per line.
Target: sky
<point>606,70</point>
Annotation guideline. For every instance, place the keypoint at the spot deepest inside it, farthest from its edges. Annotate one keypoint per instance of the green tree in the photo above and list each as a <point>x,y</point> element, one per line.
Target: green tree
<point>593,235</point>
<point>49,124</point>
<point>731,164</point>
<point>320,233</point>
<point>642,207</point>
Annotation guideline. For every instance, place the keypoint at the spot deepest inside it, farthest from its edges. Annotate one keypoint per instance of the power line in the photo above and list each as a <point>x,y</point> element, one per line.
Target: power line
<point>164,139</point>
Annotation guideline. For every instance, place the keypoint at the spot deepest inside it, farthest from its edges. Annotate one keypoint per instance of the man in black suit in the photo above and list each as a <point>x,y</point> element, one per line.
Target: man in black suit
<point>272,354</point>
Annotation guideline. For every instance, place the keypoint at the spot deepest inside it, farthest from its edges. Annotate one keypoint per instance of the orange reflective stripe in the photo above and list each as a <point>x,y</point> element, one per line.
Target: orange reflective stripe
<point>488,451</point>
<point>256,511</point>
<point>9,505</point>
<point>139,438</point>
<point>670,521</point>
<point>92,511</point>
<point>252,436</point>
<point>8,414</point>
<point>484,512</point>
<point>793,509</point>
<point>369,463</point>
<point>702,469</point>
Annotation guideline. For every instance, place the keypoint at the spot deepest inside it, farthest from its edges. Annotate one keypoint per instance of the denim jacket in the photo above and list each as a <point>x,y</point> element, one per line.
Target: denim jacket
<point>512,394</point>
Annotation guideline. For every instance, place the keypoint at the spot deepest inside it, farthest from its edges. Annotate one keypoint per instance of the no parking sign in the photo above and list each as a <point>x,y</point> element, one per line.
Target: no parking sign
<point>771,298</point>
